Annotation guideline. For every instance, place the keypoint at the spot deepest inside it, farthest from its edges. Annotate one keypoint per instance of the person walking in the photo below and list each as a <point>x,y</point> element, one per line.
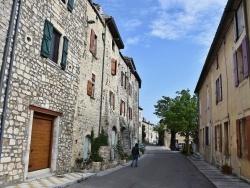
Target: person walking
<point>135,154</point>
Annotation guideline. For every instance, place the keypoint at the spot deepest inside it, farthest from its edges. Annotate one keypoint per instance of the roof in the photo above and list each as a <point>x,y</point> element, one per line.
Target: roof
<point>222,29</point>
<point>109,20</point>
<point>130,63</point>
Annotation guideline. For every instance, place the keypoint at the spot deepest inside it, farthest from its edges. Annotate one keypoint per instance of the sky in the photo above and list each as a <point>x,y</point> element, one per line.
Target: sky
<point>168,40</point>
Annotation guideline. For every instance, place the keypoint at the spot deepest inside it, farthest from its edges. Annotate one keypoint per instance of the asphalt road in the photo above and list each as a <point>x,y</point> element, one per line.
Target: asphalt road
<point>159,168</point>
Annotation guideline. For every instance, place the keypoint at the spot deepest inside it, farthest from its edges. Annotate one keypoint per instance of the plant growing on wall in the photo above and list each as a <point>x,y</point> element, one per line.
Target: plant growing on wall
<point>96,143</point>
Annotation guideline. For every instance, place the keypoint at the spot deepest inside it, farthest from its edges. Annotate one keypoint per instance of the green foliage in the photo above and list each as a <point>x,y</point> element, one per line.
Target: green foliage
<point>160,128</point>
<point>120,150</point>
<point>96,143</point>
<point>180,114</point>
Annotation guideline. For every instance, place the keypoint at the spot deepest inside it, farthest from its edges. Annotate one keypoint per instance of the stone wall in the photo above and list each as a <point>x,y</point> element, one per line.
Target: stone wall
<point>41,82</point>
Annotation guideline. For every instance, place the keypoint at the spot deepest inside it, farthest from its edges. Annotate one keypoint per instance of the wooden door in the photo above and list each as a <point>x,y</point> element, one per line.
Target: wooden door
<point>41,142</point>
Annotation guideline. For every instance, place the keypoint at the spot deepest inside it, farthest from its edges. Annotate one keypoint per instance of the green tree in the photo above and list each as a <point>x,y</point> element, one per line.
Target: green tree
<point>160,128</point>
<point>180,114</point>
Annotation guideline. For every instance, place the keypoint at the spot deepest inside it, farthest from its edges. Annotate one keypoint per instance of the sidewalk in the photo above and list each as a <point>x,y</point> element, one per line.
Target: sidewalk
<point>214,175</point>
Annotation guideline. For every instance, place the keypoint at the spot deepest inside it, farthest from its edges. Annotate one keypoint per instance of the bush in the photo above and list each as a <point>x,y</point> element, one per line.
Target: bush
<point>96,143</point>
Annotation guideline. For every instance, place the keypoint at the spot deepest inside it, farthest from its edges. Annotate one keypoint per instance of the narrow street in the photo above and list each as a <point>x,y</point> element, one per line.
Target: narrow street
<point>158,168</point>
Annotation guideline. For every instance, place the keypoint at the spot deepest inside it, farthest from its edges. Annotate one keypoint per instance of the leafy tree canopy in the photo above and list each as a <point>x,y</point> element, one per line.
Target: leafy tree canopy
<point>180,114</point>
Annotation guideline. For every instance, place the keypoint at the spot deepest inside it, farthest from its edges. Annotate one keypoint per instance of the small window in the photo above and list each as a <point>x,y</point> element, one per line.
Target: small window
<point>240,58</point>
<point>113,67</point>
<point>238,23</point>
<point>91,87</point>
<point>218,90</point>
<point>112,100</point>
<point>113,45</point>
<point>122,108</point>
<point>122,78</point>
<point>93,43</point>
<point>241,129</point>
<point>54,48</point>
<point>70,4</point>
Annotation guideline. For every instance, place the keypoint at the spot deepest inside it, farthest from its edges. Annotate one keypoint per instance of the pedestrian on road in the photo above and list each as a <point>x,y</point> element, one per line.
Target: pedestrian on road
<point>135,154</point>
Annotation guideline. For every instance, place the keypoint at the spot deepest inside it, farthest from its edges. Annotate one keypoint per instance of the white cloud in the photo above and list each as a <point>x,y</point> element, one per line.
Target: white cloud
<point>134,40</point>
<point>131,25</point>
<point>195,19</point>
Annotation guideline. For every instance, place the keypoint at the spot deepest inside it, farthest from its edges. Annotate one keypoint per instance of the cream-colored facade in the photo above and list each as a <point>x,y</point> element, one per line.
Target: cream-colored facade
<point>151,135</point>
<point>224,93</point>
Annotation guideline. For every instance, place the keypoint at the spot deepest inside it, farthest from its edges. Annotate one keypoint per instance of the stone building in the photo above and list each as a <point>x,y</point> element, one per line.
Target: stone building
<point>223,91</point>
<point>62,74</point>
<point>151,135</point>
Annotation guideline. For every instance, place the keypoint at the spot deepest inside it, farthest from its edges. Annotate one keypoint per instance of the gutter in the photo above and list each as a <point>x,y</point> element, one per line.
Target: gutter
<point>3,118</point>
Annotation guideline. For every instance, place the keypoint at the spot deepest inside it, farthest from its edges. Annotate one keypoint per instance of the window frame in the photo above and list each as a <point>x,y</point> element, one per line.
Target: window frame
<point>218,89</point>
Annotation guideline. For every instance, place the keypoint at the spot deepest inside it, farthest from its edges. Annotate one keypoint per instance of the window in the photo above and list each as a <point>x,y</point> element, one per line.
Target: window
<point>122,78</point>
<point>51,44</point>
<point>113,45</point>
<point>218,138</point>
<point>113,67</point>
<point>218,90</point>
<point>217,62</point>
<point>93,43</point>
<point>207,135</point>
<point>91,87</point>
<point>240,58</point>
<point>238,23</point>
<point>243,135</point>
<point>112,100</point>
<point>226,138</point>
<point>70,4</point>
<point>122,108</point>
<point>130,113</point>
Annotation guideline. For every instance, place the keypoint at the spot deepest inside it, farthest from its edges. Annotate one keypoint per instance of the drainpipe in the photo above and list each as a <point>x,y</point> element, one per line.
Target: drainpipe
<point>103,63</point>
<point>10,66</point>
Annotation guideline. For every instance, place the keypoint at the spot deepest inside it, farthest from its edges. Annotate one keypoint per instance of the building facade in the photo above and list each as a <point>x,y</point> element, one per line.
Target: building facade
<point>151,135</point>
<point>61,77</point>
<point>223,92</point>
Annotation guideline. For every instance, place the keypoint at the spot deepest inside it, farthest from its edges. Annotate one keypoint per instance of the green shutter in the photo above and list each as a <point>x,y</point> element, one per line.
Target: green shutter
<point>47,36</point>
<point>70,5</point>
<point>64,53</point>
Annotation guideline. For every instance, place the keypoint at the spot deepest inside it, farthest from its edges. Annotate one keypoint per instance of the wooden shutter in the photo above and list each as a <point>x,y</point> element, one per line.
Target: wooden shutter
<point>220,141</point>
<point>215,138</point>
<point>47,37</point>
<point>70,5</point>
<point>89,88</point>
<point>220,88</point>
<point>121,107</point>
<point>64,53</point>
<point>248,136</point>
<point>236,78</point>
<point>245,57</point>
<point>92,42</point>
<point>122,78</point>
<point>238,140</point>
<point>113,67</point>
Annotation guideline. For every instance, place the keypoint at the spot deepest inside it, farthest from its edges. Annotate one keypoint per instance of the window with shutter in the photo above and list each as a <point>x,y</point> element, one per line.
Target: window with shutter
<point>47,37</point>
<point>218,90</point>
<point>51,41</point>
<point>113,67</point>
<point>70,5</point>
<point>207,135</point>
<point>236,78</point>
<point>248,136</point>
<point>91,86</point>
<point>122,78</point>
<point>238,22</point>
<point>245,57</point>
<point>64,53</point>
<point>93,42</point>
<point>238,138</point>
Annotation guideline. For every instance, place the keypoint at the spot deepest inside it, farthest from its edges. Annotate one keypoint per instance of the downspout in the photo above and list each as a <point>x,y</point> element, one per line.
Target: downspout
<point>6,51</point>
<point>103,63</point>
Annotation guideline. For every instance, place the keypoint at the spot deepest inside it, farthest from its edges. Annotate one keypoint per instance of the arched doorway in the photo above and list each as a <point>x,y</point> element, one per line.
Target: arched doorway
<point>113,142</point>
<point>86,147</point>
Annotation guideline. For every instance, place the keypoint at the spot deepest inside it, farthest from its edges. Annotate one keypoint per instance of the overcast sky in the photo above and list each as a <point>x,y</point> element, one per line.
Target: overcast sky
<point>168,41</point>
